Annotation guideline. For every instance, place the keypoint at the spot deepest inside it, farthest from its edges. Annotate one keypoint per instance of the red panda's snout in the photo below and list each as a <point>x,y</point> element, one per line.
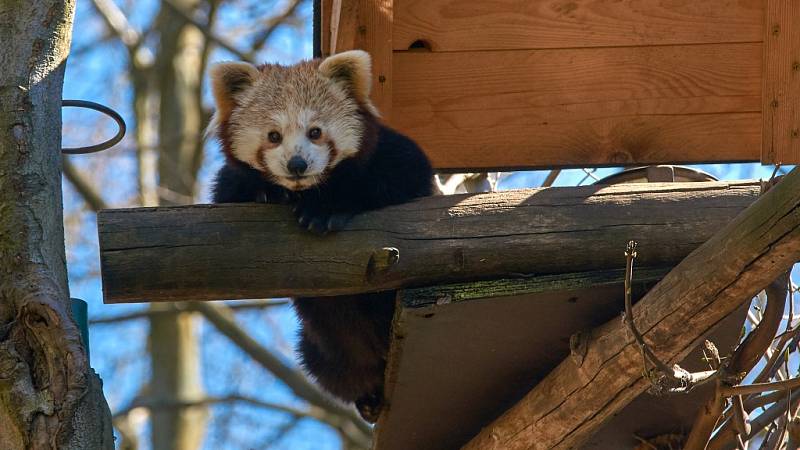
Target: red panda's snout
<point>296,163</point>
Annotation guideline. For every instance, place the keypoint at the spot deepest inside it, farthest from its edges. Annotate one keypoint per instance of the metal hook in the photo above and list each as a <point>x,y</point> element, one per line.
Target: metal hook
<point>103,145</point>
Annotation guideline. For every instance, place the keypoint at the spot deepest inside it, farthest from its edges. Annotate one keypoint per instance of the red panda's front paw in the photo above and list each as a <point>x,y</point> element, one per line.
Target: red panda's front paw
<point>321,222</point>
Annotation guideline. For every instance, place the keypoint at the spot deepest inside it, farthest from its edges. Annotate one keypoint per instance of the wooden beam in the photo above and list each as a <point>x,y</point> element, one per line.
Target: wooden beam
<point>208,252</point>
<point>450,25</point>
<point>575,399</point>
<point>781,80</point>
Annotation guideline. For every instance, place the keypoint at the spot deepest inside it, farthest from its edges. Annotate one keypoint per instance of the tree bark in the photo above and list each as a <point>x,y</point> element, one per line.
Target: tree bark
<point>729,269</point>
<point>49,397</point>
<point>210,252</point>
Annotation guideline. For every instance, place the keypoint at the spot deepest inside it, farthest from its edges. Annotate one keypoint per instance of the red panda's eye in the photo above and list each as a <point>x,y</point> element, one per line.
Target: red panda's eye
<point>314,133</point>
<point>274,137</point>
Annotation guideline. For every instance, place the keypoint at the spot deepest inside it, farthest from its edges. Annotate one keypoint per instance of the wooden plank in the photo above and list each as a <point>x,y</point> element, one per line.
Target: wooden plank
<point>781,94</point>
<point>458,25</point>
<point>577,398</point>
<point>375,21</point>
<point>208,252</point>
<point>578,107</point>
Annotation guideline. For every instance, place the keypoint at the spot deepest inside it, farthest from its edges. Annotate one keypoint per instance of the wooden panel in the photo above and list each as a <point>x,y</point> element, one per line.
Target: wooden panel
<point>457,364</point>
<point>525,24</point>
<point>578,107</point>
<point>781,100</point>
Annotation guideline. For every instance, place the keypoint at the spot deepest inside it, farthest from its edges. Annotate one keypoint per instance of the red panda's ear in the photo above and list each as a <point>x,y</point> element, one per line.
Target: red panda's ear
<point>228,79</point>
<point>353,69</point>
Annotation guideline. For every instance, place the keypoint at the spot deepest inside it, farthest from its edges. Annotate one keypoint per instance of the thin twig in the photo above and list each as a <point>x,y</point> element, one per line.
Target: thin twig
<point>677,379</point>
<point>207,32</point>
<point>273,23</point>
<point>551,177</point>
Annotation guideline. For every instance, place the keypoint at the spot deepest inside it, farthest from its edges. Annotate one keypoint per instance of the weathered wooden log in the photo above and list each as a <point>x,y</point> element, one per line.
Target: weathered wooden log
<point>208,252</point>
<point>575,399</point>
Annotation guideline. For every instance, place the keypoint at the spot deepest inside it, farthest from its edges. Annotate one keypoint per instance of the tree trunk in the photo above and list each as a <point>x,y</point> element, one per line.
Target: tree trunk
<point>49,397</point>
<point>174,350</point>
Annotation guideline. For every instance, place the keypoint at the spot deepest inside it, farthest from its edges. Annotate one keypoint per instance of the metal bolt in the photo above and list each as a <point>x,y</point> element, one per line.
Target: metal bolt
<point>776,30</point>
<point>774,103</point>
<point>362,29</point>
<point>381,79</point>
<point>795,132</point>
<point>796,66</point>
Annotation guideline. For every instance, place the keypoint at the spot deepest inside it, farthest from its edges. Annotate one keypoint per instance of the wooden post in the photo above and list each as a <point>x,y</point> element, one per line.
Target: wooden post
<point>781,83</point>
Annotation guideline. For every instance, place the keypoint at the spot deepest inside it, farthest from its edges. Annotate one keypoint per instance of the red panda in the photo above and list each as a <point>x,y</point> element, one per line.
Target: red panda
<point>308,135</point>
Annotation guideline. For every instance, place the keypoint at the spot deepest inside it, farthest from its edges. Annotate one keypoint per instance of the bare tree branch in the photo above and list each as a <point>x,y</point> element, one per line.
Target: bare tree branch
<point>272,24</point>
<point>207,32</point>
<point>147,313</point>
<point>118,24</point>
<point>82,186</point>
<point>222,318</point>
<point>158,403</point>
<point>758,388</point>
<point>756,343</point>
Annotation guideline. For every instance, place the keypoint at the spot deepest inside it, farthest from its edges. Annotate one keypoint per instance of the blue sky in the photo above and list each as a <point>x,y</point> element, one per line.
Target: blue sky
<point>119,351</point>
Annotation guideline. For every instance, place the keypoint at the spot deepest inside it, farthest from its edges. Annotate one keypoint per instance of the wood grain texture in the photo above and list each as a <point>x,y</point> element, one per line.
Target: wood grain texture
<point>458,25</point>
<point>376,21</point>
<point>209,252</point>
<point>573,401</point>
<point>578,107</point>
<point>781,93</point>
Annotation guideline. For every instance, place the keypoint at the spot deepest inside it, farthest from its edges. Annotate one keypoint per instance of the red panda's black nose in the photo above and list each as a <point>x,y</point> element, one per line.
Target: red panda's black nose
<point>297,165</point>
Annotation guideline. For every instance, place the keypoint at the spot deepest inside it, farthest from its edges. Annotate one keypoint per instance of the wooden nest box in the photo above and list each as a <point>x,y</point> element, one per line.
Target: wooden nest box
<point>542,83</point>
<point>497,290</point>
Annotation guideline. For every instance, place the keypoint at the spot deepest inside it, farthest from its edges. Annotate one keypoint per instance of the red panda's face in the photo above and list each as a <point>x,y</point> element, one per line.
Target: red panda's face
<point>296,123</point>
